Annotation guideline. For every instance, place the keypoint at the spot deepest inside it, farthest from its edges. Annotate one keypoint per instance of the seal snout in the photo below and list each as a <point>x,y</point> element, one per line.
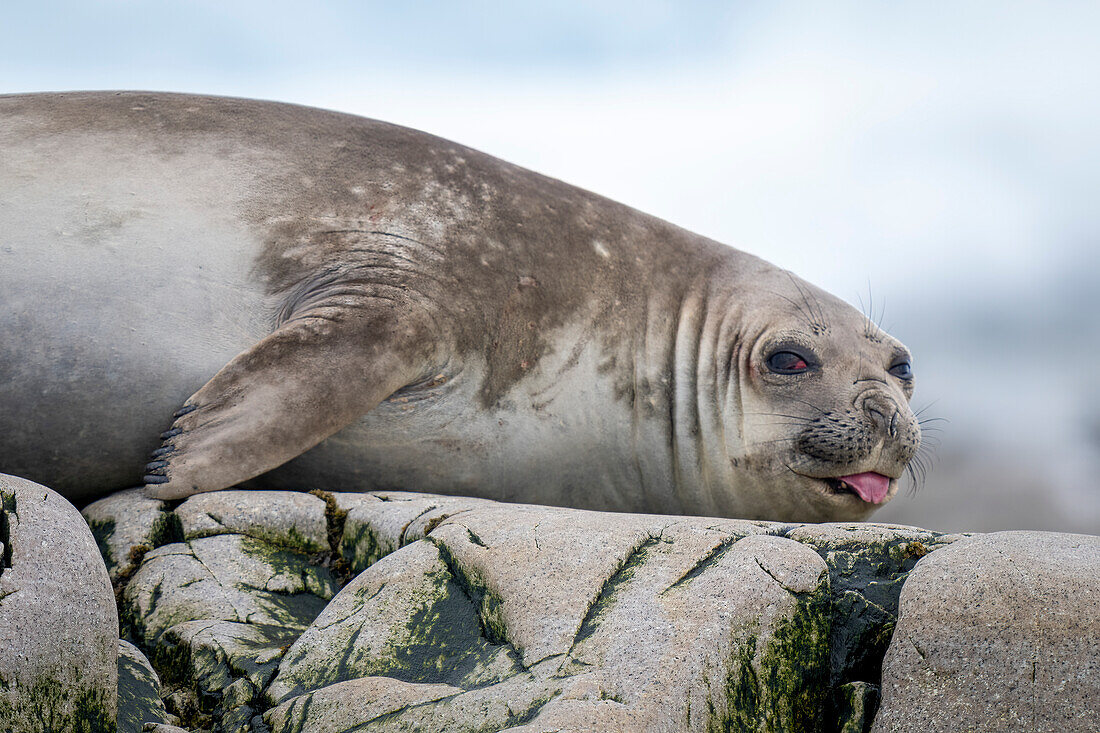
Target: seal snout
<point>882,411</point>
<point>893,421</point>
<point>863,450</point>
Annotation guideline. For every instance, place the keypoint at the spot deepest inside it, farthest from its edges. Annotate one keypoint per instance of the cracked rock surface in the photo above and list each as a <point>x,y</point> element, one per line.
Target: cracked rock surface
<point>286,612</point>
<point>58,623</point>
<point>998,632</point>
<point>216,613</point>
<point>139,700</point>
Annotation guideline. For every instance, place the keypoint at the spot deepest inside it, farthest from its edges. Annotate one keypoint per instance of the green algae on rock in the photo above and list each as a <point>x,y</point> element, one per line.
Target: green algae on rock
<point>139,700</point>
<point>470,615</point>
<point>58,622</point>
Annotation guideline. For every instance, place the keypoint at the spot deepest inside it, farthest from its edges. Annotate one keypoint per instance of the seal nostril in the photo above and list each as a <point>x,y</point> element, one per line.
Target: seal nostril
<point>878,418</point>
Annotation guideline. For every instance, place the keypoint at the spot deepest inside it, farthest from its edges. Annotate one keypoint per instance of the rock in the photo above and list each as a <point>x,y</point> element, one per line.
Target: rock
<point>139,699</point>
<point>370,697</point>
<point>998,632</point>
<point>868,563</point>
<point>287,518</point>
<point>855,705</point>
<point>498,549</point>
<point>374,529</point>
<point>655,623</point>
<point>388,704</point>
<point>128,524</point>
<point>472,615</point>
<point>406,618</point>
<point>733,639</point>
<point>225,578</point>
<point>217,610</point>
<point>58,623</point>
<point>163,728</point>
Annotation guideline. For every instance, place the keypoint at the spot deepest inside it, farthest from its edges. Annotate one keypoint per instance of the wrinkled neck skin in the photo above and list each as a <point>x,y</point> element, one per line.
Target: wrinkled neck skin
<point>682,379</point>
<point>692,337</point>
<point>732,436</point>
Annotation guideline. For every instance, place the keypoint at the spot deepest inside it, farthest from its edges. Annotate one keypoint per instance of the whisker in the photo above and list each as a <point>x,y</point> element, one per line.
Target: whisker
<point>867,311</point>
<point>863,310</point>
<point>801,311</point>
<point>920,412</point>
<point>821,310</point>
<point>922,462</point>
<point>810,404</point>
<point>779,424</point>
<point>817,324</point>
<point>802,418</point>
<point>768,442</point>
<point>807,294</point>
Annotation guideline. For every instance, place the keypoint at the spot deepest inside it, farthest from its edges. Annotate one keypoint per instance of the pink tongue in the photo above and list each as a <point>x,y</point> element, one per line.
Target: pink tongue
<point>871,487</point>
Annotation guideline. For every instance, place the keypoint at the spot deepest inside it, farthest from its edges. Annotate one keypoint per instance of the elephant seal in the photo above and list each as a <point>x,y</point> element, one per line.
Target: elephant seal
<point>330,301</point>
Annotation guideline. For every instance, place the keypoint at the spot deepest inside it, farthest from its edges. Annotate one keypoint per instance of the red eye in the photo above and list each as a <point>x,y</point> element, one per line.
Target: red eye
<point>787,362</point>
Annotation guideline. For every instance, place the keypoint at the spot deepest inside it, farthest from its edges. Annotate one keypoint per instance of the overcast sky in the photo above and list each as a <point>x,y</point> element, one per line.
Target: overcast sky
<point>943,155</point>
<point>901,144</point>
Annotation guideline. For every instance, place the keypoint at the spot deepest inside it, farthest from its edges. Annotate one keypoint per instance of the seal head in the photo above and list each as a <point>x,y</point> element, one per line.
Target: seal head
<point>820,405</point>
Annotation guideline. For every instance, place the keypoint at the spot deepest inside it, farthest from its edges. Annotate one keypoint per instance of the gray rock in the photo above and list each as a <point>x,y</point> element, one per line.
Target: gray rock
<point>405,618</point>
<point>372,697</point>
<point>868,563</point>
<point>58,623</point>
<point>139,699</point>
<point>499,549</point>
<point>345,502</point>
<point>689,638</point>
<point>288,518</point>
<point>128,524</point>
<point>377,524</point>
<point>369,704</point>
<point>655,623</point>
<point>225,578</point>
<point>473,615</point>
<point>998,632</point>
<point>219,611</point>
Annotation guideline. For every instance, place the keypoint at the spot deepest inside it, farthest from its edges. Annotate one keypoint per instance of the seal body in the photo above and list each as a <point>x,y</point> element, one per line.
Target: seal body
<point>266,293</point>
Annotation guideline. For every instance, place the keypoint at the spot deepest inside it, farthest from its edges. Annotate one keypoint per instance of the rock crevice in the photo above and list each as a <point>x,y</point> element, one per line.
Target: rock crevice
<point>395,611</point>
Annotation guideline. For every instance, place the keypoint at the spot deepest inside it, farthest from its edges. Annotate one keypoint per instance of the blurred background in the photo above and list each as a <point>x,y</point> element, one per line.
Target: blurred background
<point>939,160</point>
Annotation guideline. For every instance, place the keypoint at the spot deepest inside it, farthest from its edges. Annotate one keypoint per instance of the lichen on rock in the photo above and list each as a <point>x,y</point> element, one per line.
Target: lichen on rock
<point>462,614</point>
<point>220,610</point>
<point>58,622</point>
<point>139,700</point>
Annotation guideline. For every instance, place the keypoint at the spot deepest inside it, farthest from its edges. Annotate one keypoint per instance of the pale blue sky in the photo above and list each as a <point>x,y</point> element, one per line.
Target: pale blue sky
<point>944,154</point>
<point>239,39</point>
<point>840,139</point>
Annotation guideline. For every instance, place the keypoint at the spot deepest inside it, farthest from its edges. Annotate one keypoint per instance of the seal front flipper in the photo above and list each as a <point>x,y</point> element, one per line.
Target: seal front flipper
<point>312,376</point>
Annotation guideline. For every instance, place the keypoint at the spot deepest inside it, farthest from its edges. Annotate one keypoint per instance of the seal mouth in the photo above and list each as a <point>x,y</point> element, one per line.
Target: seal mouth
<point>870,487</point>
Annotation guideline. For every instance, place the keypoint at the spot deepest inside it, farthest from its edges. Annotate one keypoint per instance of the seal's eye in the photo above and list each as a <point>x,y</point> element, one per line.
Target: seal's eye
<point>787,362</point>
<point>902,370</point>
